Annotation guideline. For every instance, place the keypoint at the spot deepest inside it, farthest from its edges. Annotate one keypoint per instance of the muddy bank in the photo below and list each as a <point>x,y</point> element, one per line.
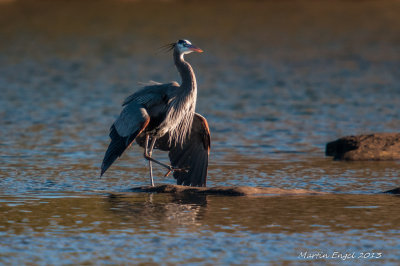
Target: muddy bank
<point>226,191</point>
<point>235,190</point>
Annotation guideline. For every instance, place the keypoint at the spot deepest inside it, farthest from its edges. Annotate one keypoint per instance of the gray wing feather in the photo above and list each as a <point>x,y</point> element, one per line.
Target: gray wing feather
<point>130,119</point>
<point>130,123</point>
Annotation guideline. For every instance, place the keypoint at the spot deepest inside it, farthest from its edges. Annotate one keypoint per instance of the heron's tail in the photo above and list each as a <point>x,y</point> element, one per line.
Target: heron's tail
<point>117,146</point>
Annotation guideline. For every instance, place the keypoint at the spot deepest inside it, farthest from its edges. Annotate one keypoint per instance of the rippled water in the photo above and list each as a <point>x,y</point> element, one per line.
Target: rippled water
<point>76,228</point>
<point>276,82</point>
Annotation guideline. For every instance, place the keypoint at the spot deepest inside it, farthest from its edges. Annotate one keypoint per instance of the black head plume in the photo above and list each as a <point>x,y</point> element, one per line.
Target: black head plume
<point>167,47</point>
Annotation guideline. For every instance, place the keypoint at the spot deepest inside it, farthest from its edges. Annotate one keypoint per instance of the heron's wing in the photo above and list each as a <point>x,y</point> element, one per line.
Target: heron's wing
<point>139,107</point>
<point>192,155</point>
<point>153,93</point>
<point>130,123</point>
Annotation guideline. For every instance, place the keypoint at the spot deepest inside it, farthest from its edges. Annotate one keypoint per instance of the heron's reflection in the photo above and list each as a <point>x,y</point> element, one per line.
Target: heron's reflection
<point>153,208</point>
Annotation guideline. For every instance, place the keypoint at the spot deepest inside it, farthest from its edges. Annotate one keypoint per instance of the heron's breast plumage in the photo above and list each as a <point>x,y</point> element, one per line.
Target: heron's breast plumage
<point>178,118</point>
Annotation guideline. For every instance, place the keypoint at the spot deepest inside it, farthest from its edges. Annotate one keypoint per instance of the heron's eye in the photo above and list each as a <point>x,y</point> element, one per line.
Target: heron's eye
<point>184,43</point>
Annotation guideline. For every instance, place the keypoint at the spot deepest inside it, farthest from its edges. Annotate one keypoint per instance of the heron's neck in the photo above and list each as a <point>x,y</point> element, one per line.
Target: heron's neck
<point>186,72</point>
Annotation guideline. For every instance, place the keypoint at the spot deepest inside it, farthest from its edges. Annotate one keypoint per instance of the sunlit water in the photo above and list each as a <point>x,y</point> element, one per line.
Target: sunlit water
<point>276,82</point>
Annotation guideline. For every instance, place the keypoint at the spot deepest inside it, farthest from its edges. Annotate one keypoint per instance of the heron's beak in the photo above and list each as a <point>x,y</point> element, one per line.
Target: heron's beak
<point>195,49</point>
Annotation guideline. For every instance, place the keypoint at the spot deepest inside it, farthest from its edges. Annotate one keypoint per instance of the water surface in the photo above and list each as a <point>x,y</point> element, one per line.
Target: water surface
<point>276,82</point>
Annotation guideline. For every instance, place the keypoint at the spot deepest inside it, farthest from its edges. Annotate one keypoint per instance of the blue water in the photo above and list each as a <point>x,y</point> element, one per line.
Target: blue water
<point>275,85</point>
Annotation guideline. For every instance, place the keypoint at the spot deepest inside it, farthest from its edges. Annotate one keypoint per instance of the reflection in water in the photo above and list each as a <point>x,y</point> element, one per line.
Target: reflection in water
<point>177,209</point>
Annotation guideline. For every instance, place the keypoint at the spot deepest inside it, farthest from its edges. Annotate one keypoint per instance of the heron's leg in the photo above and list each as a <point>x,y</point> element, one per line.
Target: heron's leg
<point>148,151</point>
<point>146,147</point>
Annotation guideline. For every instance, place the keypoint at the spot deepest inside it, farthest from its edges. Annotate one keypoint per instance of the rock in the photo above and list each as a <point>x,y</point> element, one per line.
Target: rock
<point>377,147</point>
<point>228,191</point>
<point>393,191</point>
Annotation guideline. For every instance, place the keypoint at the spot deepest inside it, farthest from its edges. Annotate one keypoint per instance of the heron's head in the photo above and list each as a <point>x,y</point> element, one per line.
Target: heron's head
<point>186,47</point>
<point>183,47</point>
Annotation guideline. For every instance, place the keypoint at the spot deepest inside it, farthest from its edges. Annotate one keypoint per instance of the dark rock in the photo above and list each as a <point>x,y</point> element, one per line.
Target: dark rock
<point>227,191</point>
<point>378,147</point>
<point>393,191</point>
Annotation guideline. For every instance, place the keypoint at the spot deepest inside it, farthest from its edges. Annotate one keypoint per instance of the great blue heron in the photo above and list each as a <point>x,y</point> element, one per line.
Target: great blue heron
<point>163,116</point>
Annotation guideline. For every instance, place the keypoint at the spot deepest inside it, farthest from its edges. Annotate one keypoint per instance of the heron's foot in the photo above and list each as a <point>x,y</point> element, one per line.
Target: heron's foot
<point>169,167</point>
<point>151,159</point>
<point>173,169</point>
